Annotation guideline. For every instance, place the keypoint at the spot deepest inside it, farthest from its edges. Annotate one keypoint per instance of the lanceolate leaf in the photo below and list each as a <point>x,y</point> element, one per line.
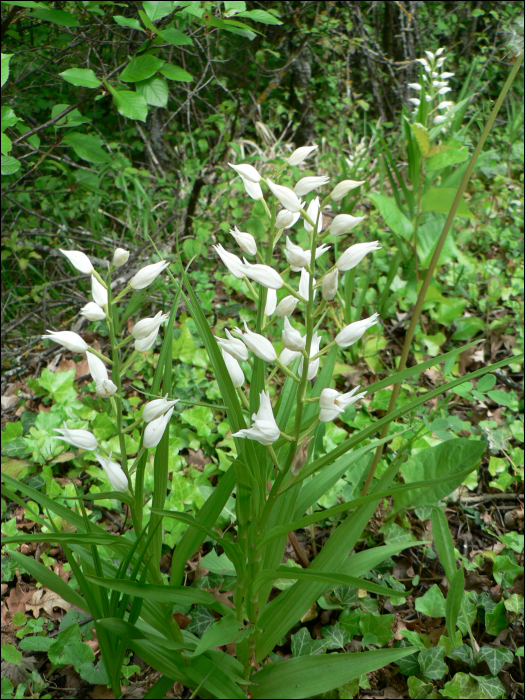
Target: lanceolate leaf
<point>444,543</point>
<point>94,538</point>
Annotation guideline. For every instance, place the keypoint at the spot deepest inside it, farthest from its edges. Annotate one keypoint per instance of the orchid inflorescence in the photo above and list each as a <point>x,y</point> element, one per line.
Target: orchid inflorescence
<point>302,294</point>
<point>433,86</point>
<point>157,413</point>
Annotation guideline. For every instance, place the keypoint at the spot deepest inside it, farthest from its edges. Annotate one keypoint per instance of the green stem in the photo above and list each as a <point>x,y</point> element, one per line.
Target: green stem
<point>100,355</point>
<point>287,371</point>
<point>435,258</point>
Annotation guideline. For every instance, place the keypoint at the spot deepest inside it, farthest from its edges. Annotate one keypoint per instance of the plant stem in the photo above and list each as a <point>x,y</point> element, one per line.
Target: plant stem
<point>434,261</point>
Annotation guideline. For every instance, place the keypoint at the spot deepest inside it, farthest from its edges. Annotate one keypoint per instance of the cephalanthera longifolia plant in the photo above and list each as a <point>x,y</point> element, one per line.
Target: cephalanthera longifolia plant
<point>277,408</point>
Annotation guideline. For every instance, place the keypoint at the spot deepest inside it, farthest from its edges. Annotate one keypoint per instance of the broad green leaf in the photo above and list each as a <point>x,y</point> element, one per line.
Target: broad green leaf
<point>130,104</point>
<point>394,218</point>
<point>444,543</point>
<point>87,147</point>
<point>336,635</point>
<point>491,686</point>
<point>432,663</point>
<point>35,643</point>
<point>11,654</point>
<point>10,166</point>
<point>235,5</point>
<point>514,604</point>
<point>154,91</point>
<point>157,9</point>
<point>486,383</point>
<point>446,157</point>
<point>83,77</point>
<point>172,72</point>
<point>495,658</point>
<point>201,418</point>
<point>141,68</point>
<point>201,619</point>
<point>9,118</point>
<point>432,603</point>
<point>175,37</point>
<point>440,199</point>
<point>128,22</point>
<point>59,17</point>
<point>260,16</point>
<point>6,144</point>
<point>378,625</point>
<point>421,134</point>
<point>308,676</point>
<point>218,564</point>
<point>495,620</point>
<point>463,652</point>
<point>225,631</point>
<point>500,397</point>
<point>463,686</point>
<point>454,601</point>
<point>302,643</point>
<point>59,385</point>
<point>6,57</point>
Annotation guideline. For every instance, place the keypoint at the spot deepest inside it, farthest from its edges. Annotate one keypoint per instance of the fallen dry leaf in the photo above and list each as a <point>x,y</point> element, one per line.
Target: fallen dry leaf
<point>46,600</point>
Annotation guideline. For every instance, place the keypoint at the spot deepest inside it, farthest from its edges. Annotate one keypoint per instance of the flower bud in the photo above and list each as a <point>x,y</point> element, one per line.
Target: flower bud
<point>234,369</point>
<point>295,256</point>
<point>313,367</point>
<point>264,274</point>
<point>286,196</point>
<point>446,75</point>
<point>354,331</point>
<point>329,285</point>
<point>288,356</point>
<point>68,339</point>
<point>157,408</point>
<point>105,389</point>
<point>245,240</point>
<point>98,292</point>
<point>253,189</point>
<point>147,326</point>
<point>145,344</point>
<point>439,52</point>
<point>271,302</point>
<point>79,260</point>
<point>443,90</point>
<point>286,306</point>
<point>97,368</point>
<point>236,348</point>
<point>114,473</point>
<point>258,344</point>
<point>264,428</point>
<point>120,257</point>
<point>292,339</point>
<point>415,101</point>
<point>309,184</point>
<point>232,262</point>
<point>430,55</point>
<point>300,457</point>
<point>82,439</point>
<point>313,213</point>
<point>353,255</point>
<point>148,274</point>
<point>155,430</point>
<point>414,86</point>
<point>444,105</point>
<point>300,154</point>
<point>343,223</point>
<point>93,312</point>
<point>332,403</point>
<point>285,219</point>
<point>344,187</point>
<point>246,171</point>
<point>439,119</point>
<point>304,285</point>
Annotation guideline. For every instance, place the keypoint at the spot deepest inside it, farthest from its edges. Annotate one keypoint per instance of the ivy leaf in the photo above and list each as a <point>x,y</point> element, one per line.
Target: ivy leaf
<point>81,77</point>
<point>220,565</point>
<point>201,418</point>
<point>336,635</point>
<point>201,619</point>
<point>496,621</point>
<point>463,653</point>
<point>514,604</point>
<point>432,603</point>
<point>462,686</point>
<point>141,68</point>
<point>432,663</point>
<point>496,658</point>
<point>378,625</point>
<point>491,686</point>
<point>304,645</point>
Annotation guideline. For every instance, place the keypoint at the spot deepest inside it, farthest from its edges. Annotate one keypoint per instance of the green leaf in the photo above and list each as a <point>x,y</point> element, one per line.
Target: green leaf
<point>226,630</point>
<point>59,17</point>
<point>440,199</point>
<point>307,676</point>
<point>93,538</point>
<point>505,570</point>
<point>449,457</point>
<point>303,645</point>
<point>87,147</point>
<point>463,652</point>
<point>432,603</point>
<point>486,383</point>
<point>157,10</point>
<point>463,686</point>
<point>141,68</point>
<point>444,543</point>
<point>218,564</point>
<point>468,327</point>
<point>10,165</point>
<point>6,144</point>
<point>260,16</point>
<point>35,643</point>
<point>446,157</point>
<point>59,385</point>
<point>172,72</point>
<point>201,418</point>
<point>514,604</point>
<point>421,134</point>
<point>201,619</point>
<point>175,37</point>
<point>491,686</point>
<point>379,626</point>
<point>82,77</point>
<point>495,621</point>
<point>500,397</point>
<point>9,118</point>
<point>337,636</point>
<point>131,104</point>
<point>394,218</point>
<point>11,655</point>
<point>5,57</point>
<point>128,22</point>
<point>432,663</point>
<point>495,657</point>
<point>454,600</point>
<point>154,91</point>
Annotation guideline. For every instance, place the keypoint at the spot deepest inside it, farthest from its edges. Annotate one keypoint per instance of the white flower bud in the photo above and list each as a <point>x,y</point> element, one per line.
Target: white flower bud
<point>414,86</point>
<point>439,119</point>
<point>286,306</point>
<point>344,187</point>
<point>264,274</point>
<point>423,61</point>
<point>353,255</point>
<point>258,344</point>
<point>332,403</point>
<point>286,196</point>
<point>264,428</point>
<point>440,61</point>
<point>144,344</point>
<point>430,55</point>
<point>313,367</point>
<point>246,171</point>
<point>415,101</point>
<point>157,408</point>
<point>82,439</point>
<point>304,284</point>
<point>446,75</point>
<point>245,240</point>
<point>271,302</point>
<point>68,339</point>
<point>439,52</point>
<point>98,292</point>
<point>329,285</point>
<point>148,274</point>
<point>253,189</point>
<point>114,472</point>
<point>93,312</point>
<point>105,389</point>
<point>308,184</point>
<point>285,219</point>
<point>232,262</point>
<point>354,331</point>
<point>147,326</point>
<point>292,339</point>
<point>288,356</point>
<point>313,213</point>
<point>300,154</point>
<point>236,348</point>
<point>155,430</point>
<point>445,105</point>
<point>97,368</point>
<point>428,98</point>
<point>343,223</point>
<point>234,369</point>
<point>79,260</point>
<point>295,256</point>
<point>443,90</point>
<point>120,257</point>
